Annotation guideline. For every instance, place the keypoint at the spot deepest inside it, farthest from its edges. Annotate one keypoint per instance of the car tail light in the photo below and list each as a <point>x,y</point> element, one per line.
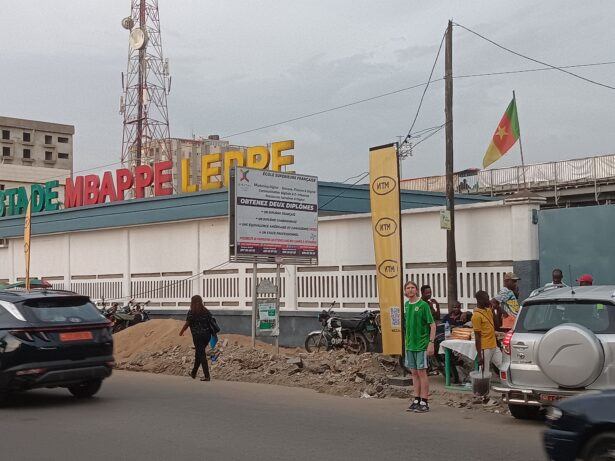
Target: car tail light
<point>506,342</point>
<point>31,371</point>
<point>503,375</point>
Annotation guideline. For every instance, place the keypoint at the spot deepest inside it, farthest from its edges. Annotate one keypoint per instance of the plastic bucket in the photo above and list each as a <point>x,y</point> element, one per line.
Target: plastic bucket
<point>480,382</point>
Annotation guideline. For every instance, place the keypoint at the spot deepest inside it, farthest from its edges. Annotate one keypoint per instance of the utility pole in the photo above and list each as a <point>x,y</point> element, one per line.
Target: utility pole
<point>451,253</point>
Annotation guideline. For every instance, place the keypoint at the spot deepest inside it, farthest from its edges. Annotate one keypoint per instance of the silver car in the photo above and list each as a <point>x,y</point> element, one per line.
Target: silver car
<point>563,343</point>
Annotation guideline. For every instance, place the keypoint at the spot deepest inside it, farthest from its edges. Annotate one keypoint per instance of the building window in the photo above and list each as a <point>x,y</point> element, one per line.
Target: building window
<point>6,134</point>
<point>6,151</point>
<point>1,186</point>
<point>63,140</point>
<point>26,137</point>
<point>26,153</point>
<point>48,155</point>
<point>62,155</point>
<point>48,139</point>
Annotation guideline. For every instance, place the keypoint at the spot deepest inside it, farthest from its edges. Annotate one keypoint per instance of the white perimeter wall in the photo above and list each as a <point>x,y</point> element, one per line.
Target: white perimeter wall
<point>155,261</point>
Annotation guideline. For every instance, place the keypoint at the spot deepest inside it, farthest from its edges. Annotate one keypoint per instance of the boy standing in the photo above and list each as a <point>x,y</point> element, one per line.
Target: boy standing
<point>485,321</point>
<point>419,344</point>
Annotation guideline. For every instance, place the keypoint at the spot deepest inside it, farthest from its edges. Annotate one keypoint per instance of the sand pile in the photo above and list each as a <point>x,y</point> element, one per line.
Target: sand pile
<point>155,346</point>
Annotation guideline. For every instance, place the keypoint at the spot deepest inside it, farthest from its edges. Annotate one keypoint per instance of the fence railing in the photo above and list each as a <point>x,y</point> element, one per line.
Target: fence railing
<point>351,287</point>
<point>592,171</point>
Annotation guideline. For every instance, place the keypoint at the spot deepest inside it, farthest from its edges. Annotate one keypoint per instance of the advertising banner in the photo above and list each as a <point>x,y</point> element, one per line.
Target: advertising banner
<point>274,217</point>
<point>384,200</point>
<point>267,323</point>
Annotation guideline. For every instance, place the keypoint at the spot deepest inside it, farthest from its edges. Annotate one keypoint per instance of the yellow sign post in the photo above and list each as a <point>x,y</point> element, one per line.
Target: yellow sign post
<point>26,239</point>
<point>386,225</point>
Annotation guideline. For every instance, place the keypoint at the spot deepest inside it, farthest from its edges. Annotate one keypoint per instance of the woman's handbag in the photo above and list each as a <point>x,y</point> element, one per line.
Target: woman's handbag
<point>213,324</point>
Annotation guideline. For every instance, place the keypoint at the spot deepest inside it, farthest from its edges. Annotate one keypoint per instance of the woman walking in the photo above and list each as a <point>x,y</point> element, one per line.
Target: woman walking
<point>199,320</point>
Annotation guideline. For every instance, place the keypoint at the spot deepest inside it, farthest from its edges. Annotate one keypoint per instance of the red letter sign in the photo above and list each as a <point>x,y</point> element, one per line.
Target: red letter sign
<point>107,189</point>
<point>160,178</point>
<point>73,192</point>
<point>124,182</point>
<point>144,177</point>
<point>91,183</point>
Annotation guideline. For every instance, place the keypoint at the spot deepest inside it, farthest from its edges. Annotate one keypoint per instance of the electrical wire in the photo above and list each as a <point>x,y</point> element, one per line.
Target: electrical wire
<point>363,176</point>
<point>418,109</point>
<point>540,69</point>
<point>429,135</point>
<point>372,98</point>
<point>534,60</point>
<point>324,111</point>
<point>170,284</point>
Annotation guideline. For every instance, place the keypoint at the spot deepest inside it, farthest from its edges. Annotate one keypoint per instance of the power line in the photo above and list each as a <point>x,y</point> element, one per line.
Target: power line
<point>521,71</point>
<point>535,60</point>
<point>401,90</point>
<point>324,111</point>
<point>170,284</point>
<point>430,135</point>
<point>418,109</point>
<point>363,176</point>
<point>372,98</point>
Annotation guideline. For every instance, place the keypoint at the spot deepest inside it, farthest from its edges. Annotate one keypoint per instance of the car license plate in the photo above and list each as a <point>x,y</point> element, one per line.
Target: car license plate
<point>76,336</point>
<point>550,397</point>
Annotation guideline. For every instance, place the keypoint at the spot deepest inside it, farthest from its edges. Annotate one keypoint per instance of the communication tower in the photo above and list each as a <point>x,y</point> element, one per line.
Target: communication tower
<point>145,87</point>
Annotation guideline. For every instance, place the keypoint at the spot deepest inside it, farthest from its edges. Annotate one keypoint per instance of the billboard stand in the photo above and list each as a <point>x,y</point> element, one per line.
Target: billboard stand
<point>273,219</point>
<point>278,296</point>
<point>254,297</point>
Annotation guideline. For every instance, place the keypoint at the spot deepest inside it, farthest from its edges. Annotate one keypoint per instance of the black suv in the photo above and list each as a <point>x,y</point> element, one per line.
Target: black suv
<point>52,338</point>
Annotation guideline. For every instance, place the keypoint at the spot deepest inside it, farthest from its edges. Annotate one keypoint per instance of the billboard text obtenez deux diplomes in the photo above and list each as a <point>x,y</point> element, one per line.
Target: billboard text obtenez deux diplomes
<point>275,215</point>
<point>276,204</point>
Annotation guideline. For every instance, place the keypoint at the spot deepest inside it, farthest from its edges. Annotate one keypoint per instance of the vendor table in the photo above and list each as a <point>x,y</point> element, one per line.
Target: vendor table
<point>464,347</point>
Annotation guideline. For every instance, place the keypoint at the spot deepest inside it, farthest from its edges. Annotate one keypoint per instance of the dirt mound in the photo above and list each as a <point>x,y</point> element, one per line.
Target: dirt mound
<point>155,346</point>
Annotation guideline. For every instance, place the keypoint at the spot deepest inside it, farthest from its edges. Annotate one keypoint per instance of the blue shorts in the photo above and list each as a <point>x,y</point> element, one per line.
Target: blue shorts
<point>416,360</point>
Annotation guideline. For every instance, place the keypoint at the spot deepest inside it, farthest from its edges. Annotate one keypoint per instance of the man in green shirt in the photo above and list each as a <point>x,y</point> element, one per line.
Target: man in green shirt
<point>419,343</point>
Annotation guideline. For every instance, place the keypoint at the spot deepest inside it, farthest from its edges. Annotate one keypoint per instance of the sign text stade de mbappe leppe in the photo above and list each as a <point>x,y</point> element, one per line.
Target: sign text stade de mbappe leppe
<point>93,189</point>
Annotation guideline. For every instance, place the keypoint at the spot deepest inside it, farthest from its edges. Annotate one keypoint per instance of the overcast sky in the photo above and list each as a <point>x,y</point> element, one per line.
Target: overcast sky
<point>238,65</point>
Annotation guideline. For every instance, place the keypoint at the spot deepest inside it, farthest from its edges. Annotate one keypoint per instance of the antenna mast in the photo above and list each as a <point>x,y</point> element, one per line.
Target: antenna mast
<point>146,85</point>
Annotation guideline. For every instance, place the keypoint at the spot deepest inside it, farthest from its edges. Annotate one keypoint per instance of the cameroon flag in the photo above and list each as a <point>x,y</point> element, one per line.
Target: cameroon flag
<point>505,136</point>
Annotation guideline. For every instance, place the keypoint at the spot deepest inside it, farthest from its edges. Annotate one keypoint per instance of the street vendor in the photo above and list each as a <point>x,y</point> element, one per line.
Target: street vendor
<point>507,300</point>
<point>485,321</point>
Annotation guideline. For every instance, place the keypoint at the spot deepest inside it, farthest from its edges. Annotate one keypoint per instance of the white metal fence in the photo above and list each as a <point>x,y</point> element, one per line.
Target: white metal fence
<point>351,287</point>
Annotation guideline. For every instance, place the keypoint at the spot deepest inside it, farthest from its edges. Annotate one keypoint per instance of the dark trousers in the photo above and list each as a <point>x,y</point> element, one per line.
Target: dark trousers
<point>200,359</point>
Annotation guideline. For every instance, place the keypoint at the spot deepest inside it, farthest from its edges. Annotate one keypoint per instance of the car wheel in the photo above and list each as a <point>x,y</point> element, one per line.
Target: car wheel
<point>85,390</point>
<point>600,447</point>
<point>524,411</point>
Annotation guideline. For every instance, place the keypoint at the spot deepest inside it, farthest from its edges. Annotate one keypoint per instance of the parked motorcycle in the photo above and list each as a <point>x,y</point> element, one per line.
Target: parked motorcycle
<point>352,334</point>
<point>126,316</point>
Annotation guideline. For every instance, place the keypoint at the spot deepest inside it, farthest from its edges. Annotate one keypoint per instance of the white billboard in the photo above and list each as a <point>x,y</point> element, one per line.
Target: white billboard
<point>273,217</point>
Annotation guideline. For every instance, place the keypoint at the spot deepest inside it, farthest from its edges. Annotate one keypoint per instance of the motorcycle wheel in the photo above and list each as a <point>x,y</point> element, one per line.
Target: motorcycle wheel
<point>118,326</point>
<point>356,343</point>
<point>316,342</point>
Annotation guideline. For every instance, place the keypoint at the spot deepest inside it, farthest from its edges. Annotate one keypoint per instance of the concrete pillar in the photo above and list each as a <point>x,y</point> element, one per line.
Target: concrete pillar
<point>291,287</point>
<point>67,273</point>
<point>197,284</point>
<point>126,291</point>
<point>524,244</point>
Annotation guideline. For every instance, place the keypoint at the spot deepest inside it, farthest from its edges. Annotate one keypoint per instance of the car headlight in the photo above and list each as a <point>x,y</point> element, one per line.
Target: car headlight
<point>553,413</point>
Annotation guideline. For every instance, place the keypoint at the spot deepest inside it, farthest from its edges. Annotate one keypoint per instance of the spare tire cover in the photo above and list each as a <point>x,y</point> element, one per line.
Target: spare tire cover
<point>570,355</point>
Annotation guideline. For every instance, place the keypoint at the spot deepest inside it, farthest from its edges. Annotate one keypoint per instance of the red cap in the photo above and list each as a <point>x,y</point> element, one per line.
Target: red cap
<point>585,278</point>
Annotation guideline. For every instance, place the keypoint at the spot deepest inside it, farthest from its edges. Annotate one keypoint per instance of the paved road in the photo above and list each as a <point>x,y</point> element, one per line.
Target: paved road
<point>155,417</point>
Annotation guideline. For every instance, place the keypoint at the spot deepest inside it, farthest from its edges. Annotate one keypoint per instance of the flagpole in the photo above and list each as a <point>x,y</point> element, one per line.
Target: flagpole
<point>520,144</point>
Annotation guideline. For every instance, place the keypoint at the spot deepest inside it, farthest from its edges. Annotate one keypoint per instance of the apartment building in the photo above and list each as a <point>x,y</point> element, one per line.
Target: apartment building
<point>33,152</point>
